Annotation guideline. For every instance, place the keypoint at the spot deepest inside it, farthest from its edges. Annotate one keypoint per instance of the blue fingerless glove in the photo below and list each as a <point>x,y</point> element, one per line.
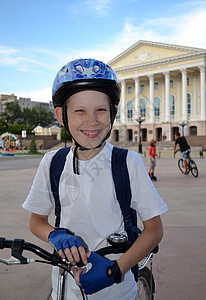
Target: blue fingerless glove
<point>61,239</point>
<point>97,277</point>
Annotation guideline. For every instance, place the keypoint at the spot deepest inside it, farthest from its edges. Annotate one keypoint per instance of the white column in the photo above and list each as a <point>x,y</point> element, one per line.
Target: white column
<point>184,94</point>
<point>163,101</point>
<point>123,104</point>
<point>151,98</point>
<point>136,99</point>
<point>178,98</point>
<point>167,96</point>
<point>202,91</point>
<point>194,102</point>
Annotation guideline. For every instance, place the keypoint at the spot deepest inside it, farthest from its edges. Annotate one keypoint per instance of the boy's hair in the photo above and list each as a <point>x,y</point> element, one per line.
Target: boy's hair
<point>177,134</point>
<point>152,143</point>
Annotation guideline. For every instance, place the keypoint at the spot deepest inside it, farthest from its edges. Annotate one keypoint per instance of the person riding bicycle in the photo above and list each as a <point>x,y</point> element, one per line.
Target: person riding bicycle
<point>86,94</point>
<point>184,148</point>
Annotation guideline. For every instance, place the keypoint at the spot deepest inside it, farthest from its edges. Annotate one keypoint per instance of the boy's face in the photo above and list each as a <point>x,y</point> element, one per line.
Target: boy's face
<point>89,117</point>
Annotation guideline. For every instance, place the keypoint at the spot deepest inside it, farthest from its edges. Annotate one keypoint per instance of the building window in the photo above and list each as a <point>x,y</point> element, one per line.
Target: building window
<point>129,89</point>
<point>129,110</point>
<point>188,81</point>
<point>142,88</point>
<point>188,104</point>
<point>142,107</point>
<point>172,105</point>
<point>156,106</point>
<point>118,113</point>
<point>193,130</point>
<point>171,84</point>
<point>156,87</point>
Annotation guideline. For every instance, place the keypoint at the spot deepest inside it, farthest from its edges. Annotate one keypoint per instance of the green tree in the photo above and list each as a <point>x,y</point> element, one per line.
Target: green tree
<point>38,116</point>
<point>46,118</point>
<point>29,117</point>
<point>65,135</point>
<point>17,128</point>
<point>3,128</point>
<point>12,113</point>
<point>32,147</point>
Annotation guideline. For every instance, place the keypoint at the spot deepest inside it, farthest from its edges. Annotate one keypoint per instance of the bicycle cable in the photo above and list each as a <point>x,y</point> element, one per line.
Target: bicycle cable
<point>65,269</point>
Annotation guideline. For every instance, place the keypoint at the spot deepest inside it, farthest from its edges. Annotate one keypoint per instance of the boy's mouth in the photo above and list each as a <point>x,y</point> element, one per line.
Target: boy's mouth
<point>91,133</point>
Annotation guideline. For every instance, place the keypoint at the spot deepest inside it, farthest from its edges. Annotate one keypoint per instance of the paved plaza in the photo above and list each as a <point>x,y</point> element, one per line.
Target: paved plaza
<point>179,267</point>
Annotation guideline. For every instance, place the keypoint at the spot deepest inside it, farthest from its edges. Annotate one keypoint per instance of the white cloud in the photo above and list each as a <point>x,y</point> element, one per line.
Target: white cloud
<point>43,95</point>
<point>31,59</point>
<point>190,29</point>
<point>9,56</point>
<point>99,6</point>
<point>187,30</point>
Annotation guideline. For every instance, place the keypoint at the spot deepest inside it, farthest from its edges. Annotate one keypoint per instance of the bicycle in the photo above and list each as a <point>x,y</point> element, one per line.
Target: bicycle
<point>117,244</point>
<point>190,165</point>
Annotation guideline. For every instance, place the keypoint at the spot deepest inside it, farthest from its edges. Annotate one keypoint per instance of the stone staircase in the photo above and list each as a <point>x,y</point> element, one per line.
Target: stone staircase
<point>164,149</point>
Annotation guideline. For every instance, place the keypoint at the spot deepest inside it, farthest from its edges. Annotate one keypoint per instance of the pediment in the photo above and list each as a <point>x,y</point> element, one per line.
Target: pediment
<point>146,52</point>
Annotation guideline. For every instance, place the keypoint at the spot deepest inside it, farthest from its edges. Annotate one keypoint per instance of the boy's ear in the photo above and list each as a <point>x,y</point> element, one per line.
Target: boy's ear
<point>58,113</point>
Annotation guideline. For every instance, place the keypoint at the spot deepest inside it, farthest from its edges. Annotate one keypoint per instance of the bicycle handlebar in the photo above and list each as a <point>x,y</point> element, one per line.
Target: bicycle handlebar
<point>17,247</point>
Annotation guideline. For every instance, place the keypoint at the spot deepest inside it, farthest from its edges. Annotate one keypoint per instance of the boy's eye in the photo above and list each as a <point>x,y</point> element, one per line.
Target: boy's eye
<point>79,110</point>
<point>102,109</point>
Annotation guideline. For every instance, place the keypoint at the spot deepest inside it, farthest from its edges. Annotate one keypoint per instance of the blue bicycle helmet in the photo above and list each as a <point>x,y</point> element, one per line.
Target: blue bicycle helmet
<point>85,74</point>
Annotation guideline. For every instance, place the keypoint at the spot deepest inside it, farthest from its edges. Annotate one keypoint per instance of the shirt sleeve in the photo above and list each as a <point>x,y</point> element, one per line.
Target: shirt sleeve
<point>40,199</point>
<point>145,198</point>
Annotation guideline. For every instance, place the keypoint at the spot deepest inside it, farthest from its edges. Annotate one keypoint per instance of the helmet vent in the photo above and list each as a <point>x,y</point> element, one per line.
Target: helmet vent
<point>65,70</point>
<point>96,68</point>
<point>80,69</point>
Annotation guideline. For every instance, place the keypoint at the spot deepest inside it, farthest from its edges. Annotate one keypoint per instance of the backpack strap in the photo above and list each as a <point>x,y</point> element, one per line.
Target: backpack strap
<point>123,189</point>
<point>124,195</point>
<point>56,168</point>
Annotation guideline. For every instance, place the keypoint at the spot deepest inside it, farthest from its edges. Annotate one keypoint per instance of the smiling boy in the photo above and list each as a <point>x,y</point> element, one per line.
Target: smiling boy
<point>86,94</point>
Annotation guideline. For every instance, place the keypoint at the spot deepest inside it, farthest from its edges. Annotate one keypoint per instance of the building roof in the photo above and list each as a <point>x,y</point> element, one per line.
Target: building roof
<point>144,54</point>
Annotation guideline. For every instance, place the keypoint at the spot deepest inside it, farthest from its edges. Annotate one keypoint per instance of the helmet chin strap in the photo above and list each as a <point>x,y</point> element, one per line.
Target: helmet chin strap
<point>77,145</point>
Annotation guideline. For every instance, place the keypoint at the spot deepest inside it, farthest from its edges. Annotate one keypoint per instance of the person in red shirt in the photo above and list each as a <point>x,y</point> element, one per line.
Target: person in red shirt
<point>152,157</point>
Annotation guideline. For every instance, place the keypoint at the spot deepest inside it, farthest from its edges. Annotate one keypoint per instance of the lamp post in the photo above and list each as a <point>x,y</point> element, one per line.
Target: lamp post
<point>140,120</point>
<point>183,124</point>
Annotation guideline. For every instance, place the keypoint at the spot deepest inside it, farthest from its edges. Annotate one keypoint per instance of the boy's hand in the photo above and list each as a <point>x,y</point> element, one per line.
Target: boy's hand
<point>68,244</point>
<point>103,273</point>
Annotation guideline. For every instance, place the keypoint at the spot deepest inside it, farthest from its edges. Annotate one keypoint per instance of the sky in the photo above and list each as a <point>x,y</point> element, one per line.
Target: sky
<point>38,37</point>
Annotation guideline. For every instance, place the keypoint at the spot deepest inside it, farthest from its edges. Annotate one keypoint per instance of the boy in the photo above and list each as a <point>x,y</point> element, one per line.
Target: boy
<point>152,159</point>
<point>86,94</point>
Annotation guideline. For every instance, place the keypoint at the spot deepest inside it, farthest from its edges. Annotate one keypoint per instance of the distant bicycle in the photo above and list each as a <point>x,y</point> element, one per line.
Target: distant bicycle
<point>190,164</point>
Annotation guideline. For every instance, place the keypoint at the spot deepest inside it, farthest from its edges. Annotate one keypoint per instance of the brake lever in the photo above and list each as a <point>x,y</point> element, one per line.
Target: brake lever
<point>15,261</point>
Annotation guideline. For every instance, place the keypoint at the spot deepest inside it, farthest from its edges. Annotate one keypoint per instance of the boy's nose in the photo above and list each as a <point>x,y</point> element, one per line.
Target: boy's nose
<point>92,119</point>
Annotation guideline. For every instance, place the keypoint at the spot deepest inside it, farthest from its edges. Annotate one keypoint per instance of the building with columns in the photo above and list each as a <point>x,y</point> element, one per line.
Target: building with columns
<point>162,85</point>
